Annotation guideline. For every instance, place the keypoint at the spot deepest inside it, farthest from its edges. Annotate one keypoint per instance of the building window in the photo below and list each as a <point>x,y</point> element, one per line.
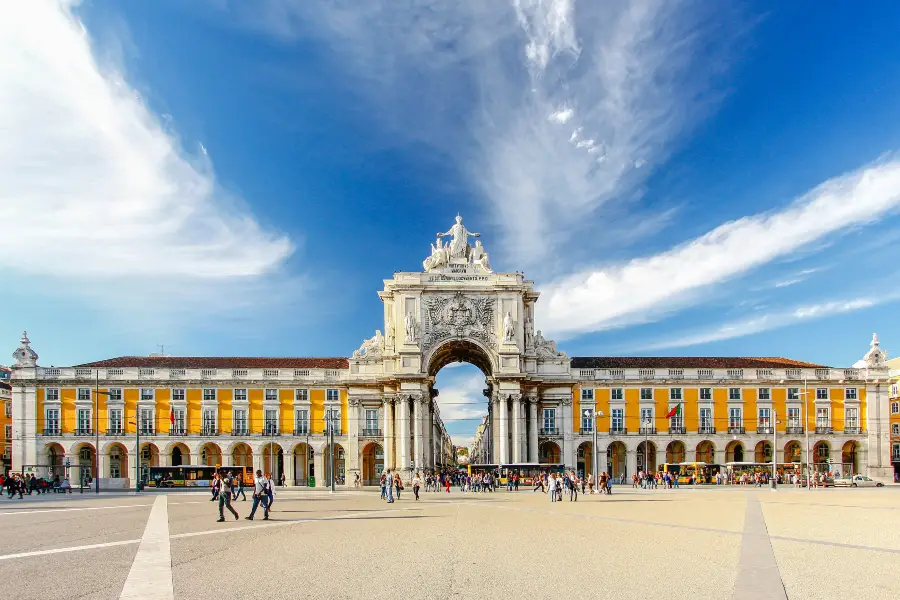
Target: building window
<point>850,418</point>
<point>209,394</point>
<point>53,395</point>
<point>84,420</point>
<point>8,409</point>
<point>301,395</point>
<point>734,393</point>
<point>240,395</point>
<point>793,394</point>
<point>147,421</point>
<point>333,420</point>
<point>646,394</point>
<point>821,393</point>
<point>618,394</point>
<point>372,419</point>
<point>549,420</point>
<point>240,421</point>
<point>587,395</point>
<point>618,419</point>
<point>587,421</point>
<point>301,421</point>
<point>178,427</point>
<point>895,429</point>
<point>821,417</point>
<point>115,395</point>
<point>895,453</point>
<point>115,421</point>
<point>706,420</point>
<point>53,420</point>
<point>84,394</point>
<point>675,394</point>
<point>793,417</point>
<point>332,395</point>
<point>735,418</point>
<point>646,418</point>
<point>178,395</point>
<point>850,394</point>
<point>706,393</point>
<point>147,395</point>
<point>271,421</point>
<point>210,421</point>
<point>765,394</point>
<point>676,421</point>
<point>895,408</point>
<point>823,452</point>
<point>271,395</point>
<point>765,418</point>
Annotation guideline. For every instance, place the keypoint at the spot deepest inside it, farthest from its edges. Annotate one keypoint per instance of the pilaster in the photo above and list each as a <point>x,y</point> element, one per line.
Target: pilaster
<point>532,430</point>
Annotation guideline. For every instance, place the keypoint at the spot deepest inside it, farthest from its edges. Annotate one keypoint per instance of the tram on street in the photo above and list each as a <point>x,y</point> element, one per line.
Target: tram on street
<point>687,472</point>
<point>734,470</point>
<point>194,475</point>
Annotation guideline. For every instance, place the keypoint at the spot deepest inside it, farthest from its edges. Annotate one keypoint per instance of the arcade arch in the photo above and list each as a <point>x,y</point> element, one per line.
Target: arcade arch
<point>734,452</point>
<point>675,452</point>
<point>304,465</point>
<point>616,454</point>
<point>372,461</point>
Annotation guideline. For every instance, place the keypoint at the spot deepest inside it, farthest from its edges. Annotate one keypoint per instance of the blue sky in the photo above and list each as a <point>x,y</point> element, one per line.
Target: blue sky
<point>228,177</point>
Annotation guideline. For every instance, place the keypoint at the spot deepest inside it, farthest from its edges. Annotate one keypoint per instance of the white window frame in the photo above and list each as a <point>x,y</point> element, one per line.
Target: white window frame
<point>549,419</point>
<point>793,416</point>
<point>851,394</point>
<point>51,419</point>
<point>52,395</point>
<point>148,420</point>
<point>706,393</point>
<point>820,395</point>
<point>373,419</point>
<point>706,418</point>
<point>179,395</point>
<point>270,395</point>
<point>823,416</point>
<point>301,395</point>
<point>115,395</point>
<point>895,408</point>
<point>240,395</point>
<point>209,420</point>
<point>301,425</point>
<point>765,393</point>
<point>675,394</point>
<point>210,395</point>
<point>587,420</point>
<point>851,417</point>
<point>115,421</point>
<point>239,421</point>
<point>270,421</point>
<point>895,428</point>
<point>179,427</point>
<point>764,417</point>
<point>332,395</point>
<point>793,393</point>
<point>735,417</point>
<point>83,395</point>
<point>617,419</point>
<point>646,393</point>
<point>735,394</point>
<point>148,395</point>
<point>617,394</point>
<point>79,420</point>
<point>587,394</point>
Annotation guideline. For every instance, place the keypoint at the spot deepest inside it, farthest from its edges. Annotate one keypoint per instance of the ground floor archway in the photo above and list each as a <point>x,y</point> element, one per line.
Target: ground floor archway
<point>242,456</point>
<point>675,452</point>
<point>584,459</point>
<point>549,453</point>
<point>706,452</point>
<point>734,452</point>
<point>821,454</point>
<point>56,456</point>
<point>149,455</point>
<point>372,461</point>
<point>304,464</point>
<point>793,452</point>
<point>210,454</point>
<point>179,455</point>
<point>850,457</point>
<point>616,454</point>
<point>117,462</point>
<point>84,465</point>
<point>763,452</point>
<point>339,465</point>
<point>273,468</point>
<point>650,463</point>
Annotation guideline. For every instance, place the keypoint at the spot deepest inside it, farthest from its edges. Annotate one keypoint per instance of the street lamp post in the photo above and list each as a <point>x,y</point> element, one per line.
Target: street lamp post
<point>331,449</point>
<point>97,394</point>
<point>594,415</point>
<point>774,445</point>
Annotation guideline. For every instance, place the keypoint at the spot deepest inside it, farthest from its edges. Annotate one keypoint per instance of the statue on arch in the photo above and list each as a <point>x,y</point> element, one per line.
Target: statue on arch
<point>509,329</point>
<point>440,256</point>
<point>371,348</point>
<point>409,323</point>
<point>459,245</point>
<point>479,257</point>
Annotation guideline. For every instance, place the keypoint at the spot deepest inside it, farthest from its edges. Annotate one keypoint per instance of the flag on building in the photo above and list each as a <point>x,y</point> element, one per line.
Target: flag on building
<point>172,417</point>
<point>675,412</point>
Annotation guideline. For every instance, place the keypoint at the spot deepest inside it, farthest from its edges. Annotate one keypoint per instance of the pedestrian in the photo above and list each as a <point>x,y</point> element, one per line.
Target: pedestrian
<point>240,488</point>
<point>551,486</point>
<point>270,492</point>
<point>226,484</point>
<point>381,482</point>
<point>447,483</point>
<point>214,487</point>
<point>398,484</point>
<point>416,483</point>
<point>260,494</point>
<point>389,486</point>
<point>284,479</point>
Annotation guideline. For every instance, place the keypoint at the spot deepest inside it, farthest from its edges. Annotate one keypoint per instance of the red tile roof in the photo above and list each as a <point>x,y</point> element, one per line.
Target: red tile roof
<point>688,362</point>
<point>220,362</point>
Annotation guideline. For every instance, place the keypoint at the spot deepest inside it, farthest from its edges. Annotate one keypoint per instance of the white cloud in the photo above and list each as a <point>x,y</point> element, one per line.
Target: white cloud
<point>636,291</point>
<point>771,321</point>
<point>562,116</point>
<point>788,282</point>
<point>462,405</point>
<point>96,186</point>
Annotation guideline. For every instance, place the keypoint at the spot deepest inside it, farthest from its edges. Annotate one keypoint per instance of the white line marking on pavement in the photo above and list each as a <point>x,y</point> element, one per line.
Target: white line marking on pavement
<point>150,577</point>
<point>69,549</point>
<point>61,510</point>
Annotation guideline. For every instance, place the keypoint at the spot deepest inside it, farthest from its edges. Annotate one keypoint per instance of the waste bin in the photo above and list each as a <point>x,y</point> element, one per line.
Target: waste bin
<point>312,481</point>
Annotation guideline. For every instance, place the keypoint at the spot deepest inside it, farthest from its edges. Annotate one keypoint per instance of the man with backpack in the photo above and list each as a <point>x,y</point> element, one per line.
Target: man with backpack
<point>260,494</point>
<point>226,482</point>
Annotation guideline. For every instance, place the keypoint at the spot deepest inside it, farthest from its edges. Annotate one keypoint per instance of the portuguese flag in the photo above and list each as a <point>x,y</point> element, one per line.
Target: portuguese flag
<point>675,412</point>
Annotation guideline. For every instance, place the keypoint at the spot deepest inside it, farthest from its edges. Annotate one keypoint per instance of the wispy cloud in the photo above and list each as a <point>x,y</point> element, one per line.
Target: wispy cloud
<point>770,321</point>
<point>555,110</point>
<point>642,289</point>
<point>99,190</point>
<point>462,405</point>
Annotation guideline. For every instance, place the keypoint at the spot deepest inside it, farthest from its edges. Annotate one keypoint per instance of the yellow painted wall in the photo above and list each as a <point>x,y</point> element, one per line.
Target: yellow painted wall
<point>601,399</point>
<point>863,407</point>
<point>779,403</point>
<point>632,409</point>
<point>286,411</point>
<point>691,408</point>
<point>130,396</point>
<point>660,409</point>
<point>720,409</point>
<point>193,398</point>
<point>342,394</point>
<point>226,409</point>
<point>255,413</point>
<point>838,418</point>
<point>317,411</point>
<point>163,399</point>
<point>751,415</point>
<point>576,409</point>
<point>67,413</point>
<point>41,413</point>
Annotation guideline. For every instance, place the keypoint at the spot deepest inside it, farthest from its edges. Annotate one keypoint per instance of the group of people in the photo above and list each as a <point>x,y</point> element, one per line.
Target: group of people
<point>17,483</point>
<point>226,487</point>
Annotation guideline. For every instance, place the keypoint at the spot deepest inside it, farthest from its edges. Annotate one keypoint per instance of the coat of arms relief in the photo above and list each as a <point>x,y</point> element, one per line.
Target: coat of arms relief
<point>458,316</point>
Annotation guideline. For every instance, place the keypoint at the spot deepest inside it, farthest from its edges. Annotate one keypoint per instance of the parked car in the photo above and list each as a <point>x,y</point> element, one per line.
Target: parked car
<point>857,481</point>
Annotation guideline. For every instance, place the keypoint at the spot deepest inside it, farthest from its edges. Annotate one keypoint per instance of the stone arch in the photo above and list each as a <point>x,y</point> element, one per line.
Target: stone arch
<point>275,468</point>
<point>56,459</point>
<point>763,452</point>
<point>616,455</point>
<point>179,454</point>
<point>82,463</point>
<point>210,454</point>
<point>706,452</point>
<point>340,465</point>
<point>850,457</point>
<point>466,350</point>
<point>304,463</point>
<point>734,451</point>
<point>584,459</point>
<point>650,463</point>
<point>372,461</point>
<point>116,461</point>
<point>241,455</point>
<point>675,452</point>
<point>549,453</point>
<point>793,452</point>
<point>821,453</point>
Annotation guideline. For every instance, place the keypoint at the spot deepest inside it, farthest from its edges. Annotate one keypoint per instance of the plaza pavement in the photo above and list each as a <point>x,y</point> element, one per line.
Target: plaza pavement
<point>723,543</point>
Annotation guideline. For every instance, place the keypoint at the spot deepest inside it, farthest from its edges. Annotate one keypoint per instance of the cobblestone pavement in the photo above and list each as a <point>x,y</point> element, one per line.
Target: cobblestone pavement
<point>723,543</point>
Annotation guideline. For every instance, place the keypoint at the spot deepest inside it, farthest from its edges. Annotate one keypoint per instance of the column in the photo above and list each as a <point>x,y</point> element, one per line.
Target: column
<point>318,466</point>
<point>631,463</point>
<point>532,430</point>
<point>257,460</point>
<point>567,430</point>
<point>354,425</point>
<point>429,425</point>
<point>103,466</point>
<point>503,440</point>
<point>387,409</point>
<point>418,432</point>
<point>402,429</point>
<point>289,468</point>
<point>517,429</point>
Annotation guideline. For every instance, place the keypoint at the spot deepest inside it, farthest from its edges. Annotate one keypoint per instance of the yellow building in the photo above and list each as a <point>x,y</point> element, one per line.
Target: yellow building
<point>5,420</point>
<point>894,366</point>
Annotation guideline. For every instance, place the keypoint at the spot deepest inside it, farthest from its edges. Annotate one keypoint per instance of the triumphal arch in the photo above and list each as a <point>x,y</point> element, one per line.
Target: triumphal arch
<point>457,309</point>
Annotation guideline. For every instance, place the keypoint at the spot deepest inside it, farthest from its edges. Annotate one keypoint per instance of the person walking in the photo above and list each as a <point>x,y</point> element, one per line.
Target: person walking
<point>260,494</point>
<point>270,492</point>
<point>226,483</point>
<point>389,486</point>
<point>381,482</point>
<point>416,483</point>
<point>398,484</point>
<point>240,488</point>
<point>214,487</point>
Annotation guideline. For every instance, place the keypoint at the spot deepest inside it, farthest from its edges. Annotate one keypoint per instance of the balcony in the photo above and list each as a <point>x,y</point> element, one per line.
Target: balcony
<point>239,431</point>
<point>821,429</point>
<point>336,429</point>
<point>208,430</point>
<point>549,431</point>
<point>793,429</point>
<point>617,431</point>
<point>179,431</point>
<point>115,431</point>
<point>764,430</point>
<point>87,431</point>
<point>852,431</point>
<point>647,431</point>
<point>376,433</point>
<point>707,430</point>
<point>735,429</point>
<point>148,430</point>
<point>51,431</point>
<point>677,430</point>
<point>301,429</point>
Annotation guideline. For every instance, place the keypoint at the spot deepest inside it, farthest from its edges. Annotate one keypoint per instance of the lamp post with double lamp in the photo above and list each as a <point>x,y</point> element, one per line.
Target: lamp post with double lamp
<point>594,414</point>
<point>97,394</point>
<point>775,423</point>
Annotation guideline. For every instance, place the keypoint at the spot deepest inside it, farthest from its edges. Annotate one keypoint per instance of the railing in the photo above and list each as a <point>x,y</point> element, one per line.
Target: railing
<point>145,430</point>
<point>647,431</point>
<point>740,430</point>
<point>116,431</point>
<point>549,431</point>
<point>677,430</point>
<point>764,430</point>
<point>270,431</point>
<point>825,430</point>
<point>793,429</point>
<point>617,431</point>
<point>87,431</point>
<point>209,431</point>
<point>180,431</point>
<point>372,433</point>
<point>51,431</point>
<point>707,430</point>
<point>239,431</point>
<point>852,430</point>
<point>301,430</point>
